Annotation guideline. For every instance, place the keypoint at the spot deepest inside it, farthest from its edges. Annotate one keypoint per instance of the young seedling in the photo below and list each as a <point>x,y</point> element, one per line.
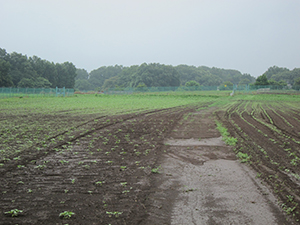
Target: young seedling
<point>116,214</point>
<point>100,182</point>
<point>40,167</point>
<point>14,212</point>
<point>155,170</point>
<point>124,184</point>
<point>123,168</point>
<point>66,214</point>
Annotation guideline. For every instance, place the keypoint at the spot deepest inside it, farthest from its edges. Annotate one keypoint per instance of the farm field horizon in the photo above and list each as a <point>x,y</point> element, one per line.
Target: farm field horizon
<point>99,156</point>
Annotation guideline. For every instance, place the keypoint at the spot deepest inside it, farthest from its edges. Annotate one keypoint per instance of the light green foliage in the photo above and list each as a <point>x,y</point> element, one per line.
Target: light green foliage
<point>116,213</point>
<point>155,170</point>
<point>66,214</point>
<point>14,212</point>
<point>228,140</point>
<point>243,157</point>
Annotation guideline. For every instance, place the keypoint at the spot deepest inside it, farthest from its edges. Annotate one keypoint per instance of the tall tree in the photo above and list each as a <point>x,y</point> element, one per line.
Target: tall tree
<point>5,79</point>
<point>156,75</point>
<point>275,70</point>
<point>262,80</point>
<point>81,74</point>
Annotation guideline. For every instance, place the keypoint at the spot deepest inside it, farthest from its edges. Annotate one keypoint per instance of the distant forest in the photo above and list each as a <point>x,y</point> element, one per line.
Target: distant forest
<point>17,70</point>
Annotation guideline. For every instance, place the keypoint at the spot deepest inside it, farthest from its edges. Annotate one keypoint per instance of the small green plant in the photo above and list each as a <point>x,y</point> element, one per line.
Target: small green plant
<point>63,161</point>
<point>290,198</point>
<point>66,214</point>
<point>123,184</point>
<point>40,167</point>
<point>100,182</point>
<point>155,170</point>
<point>123,167</point>
<point>14,212</point>
<point>116,213</point>
<point>258,175</point>
<point>225,134</point>
<point>243,157</point>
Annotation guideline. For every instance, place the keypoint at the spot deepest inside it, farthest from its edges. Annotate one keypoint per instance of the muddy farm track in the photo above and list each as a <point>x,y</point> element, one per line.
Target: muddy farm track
<point>132,168</point>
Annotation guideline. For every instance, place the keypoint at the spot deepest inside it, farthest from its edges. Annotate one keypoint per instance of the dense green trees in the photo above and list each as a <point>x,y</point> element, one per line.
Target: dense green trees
<point>296,84</point>
<point>278,77</point>
<point>97,77</point>
<point>5,78</point>
<point>17,70</point>
<point>282,75</point>
<point>155,75</point>
<point>262,80</point>
<point>192,83</point>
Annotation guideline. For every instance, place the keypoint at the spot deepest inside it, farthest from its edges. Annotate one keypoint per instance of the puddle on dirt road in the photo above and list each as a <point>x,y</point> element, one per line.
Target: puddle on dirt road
<point>196,142</point>
<point>219,192</point>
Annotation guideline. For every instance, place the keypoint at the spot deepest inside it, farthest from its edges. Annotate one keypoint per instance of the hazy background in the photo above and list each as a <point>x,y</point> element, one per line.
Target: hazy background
<point>247,35</point>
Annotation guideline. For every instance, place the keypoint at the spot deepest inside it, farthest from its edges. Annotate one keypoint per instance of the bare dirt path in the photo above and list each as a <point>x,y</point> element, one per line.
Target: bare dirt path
<point>203,183</point>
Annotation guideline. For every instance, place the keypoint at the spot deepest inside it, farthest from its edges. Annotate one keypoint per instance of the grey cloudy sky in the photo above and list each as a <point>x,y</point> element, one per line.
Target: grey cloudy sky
<point>247,35</point>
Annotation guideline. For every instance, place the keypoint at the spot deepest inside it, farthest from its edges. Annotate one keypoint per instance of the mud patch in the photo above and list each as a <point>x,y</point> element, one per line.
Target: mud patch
<point>204,182</point>
<point>220,192</point>
<point>196,142</point>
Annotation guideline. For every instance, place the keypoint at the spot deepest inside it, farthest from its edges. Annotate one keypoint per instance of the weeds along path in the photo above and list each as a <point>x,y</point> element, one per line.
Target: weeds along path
<point>103,173</point>
<point>202,182</point>
<point>267,134</point>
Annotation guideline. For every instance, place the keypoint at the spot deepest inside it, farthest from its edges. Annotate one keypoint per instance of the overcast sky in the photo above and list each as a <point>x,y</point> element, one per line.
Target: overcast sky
<point>247,35</point>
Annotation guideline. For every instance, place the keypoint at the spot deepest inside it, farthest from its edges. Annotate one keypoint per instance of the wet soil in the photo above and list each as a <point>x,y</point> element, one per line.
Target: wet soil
<point>268,135</point>
<point>206,184</point>
<point>160,167</point>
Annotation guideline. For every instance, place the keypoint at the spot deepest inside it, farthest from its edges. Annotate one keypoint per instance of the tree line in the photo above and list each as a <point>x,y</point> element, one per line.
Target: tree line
<point>18,70</point>
<point>156,75</point>
<point>280,77</point>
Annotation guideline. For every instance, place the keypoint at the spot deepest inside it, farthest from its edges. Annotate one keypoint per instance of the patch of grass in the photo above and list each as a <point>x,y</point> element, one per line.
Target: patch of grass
<point>225,134</point>
<point>244,157</point>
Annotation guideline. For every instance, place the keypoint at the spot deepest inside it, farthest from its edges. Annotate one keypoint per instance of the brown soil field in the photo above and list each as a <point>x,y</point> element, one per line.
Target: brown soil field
<point>114,171</point>
<point>271,137</point>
